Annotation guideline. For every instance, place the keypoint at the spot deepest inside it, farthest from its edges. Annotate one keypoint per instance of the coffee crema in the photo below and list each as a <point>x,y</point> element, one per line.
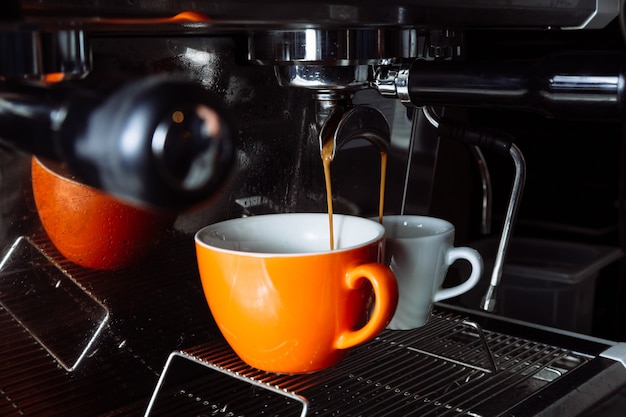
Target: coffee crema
<point>328,149</point>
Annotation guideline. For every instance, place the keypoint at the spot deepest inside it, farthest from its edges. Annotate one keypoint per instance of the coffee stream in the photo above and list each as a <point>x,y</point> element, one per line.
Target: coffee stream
<point>383,180</point>
<point>327,157</point>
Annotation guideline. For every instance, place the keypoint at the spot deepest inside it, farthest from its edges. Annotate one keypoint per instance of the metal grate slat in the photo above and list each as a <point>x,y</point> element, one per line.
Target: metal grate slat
<point>442,369</point>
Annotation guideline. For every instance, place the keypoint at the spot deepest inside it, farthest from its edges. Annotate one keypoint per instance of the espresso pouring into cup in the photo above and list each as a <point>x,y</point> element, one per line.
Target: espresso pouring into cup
<point>286,303</point>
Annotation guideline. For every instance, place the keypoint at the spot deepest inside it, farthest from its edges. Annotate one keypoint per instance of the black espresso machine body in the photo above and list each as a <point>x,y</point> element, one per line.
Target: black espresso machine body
<point>457,84</point>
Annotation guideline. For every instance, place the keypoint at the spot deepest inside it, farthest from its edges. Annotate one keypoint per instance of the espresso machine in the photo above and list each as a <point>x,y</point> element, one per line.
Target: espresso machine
<point>113,90</point>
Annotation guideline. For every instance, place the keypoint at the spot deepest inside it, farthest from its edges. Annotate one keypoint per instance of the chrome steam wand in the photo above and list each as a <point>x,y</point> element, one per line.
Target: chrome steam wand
<point>504,145</point>
<point>488,302</point>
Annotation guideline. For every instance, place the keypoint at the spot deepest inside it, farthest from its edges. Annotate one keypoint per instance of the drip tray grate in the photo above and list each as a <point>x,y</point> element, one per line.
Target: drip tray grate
<point>51,306</point>
<point>449,367</point>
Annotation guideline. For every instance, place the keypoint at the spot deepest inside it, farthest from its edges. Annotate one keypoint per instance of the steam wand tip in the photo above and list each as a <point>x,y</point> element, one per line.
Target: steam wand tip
<point>488,302</point>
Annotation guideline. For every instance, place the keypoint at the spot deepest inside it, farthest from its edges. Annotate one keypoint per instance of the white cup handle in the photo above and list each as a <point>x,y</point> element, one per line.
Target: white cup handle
<point>474,259</point>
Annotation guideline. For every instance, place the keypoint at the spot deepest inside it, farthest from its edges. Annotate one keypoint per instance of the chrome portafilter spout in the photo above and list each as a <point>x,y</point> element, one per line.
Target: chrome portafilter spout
<point>329,108</point>
<point>338,120</point>
<point>332,86</point>
<point>360,122</point>
<point>332,62</point>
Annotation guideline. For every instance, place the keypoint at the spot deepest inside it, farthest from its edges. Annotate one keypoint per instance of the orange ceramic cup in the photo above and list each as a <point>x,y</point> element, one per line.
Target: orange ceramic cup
<point>88,226</point>
<point>283,300</point>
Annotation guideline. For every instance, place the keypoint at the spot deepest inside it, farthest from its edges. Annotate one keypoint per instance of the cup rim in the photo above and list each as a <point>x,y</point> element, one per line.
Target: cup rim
<point>380,235</point>
<point>76,182</point>
<point>45,165</point>
<point>447,227</point>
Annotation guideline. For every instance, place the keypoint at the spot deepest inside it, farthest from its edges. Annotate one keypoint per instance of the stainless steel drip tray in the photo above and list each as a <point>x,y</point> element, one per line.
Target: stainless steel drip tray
<point>451,366</point>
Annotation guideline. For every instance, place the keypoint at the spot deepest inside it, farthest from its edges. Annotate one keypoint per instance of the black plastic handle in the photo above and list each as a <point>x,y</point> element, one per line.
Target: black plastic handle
<point>157,141</point>
<point>568,85</point>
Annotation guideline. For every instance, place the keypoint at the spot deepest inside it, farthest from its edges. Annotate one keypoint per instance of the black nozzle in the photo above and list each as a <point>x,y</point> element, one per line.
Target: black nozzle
<point>158,141</point>
<point>163,142</point>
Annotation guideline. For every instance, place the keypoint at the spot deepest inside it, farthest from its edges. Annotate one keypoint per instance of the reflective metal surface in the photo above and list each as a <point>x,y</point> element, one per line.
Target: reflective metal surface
<point>581,84</point>
<point>324,78</point>
<point>26,52</point>
<point>443,368</point>
<point>431,13</point>
<point>334,46</point>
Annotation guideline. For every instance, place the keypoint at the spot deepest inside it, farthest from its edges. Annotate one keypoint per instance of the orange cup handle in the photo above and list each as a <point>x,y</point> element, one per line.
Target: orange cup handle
<point>386,293</point>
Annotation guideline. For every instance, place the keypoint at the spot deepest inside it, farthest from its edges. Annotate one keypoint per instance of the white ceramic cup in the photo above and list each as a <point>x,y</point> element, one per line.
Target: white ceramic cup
<point>419,250</point>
